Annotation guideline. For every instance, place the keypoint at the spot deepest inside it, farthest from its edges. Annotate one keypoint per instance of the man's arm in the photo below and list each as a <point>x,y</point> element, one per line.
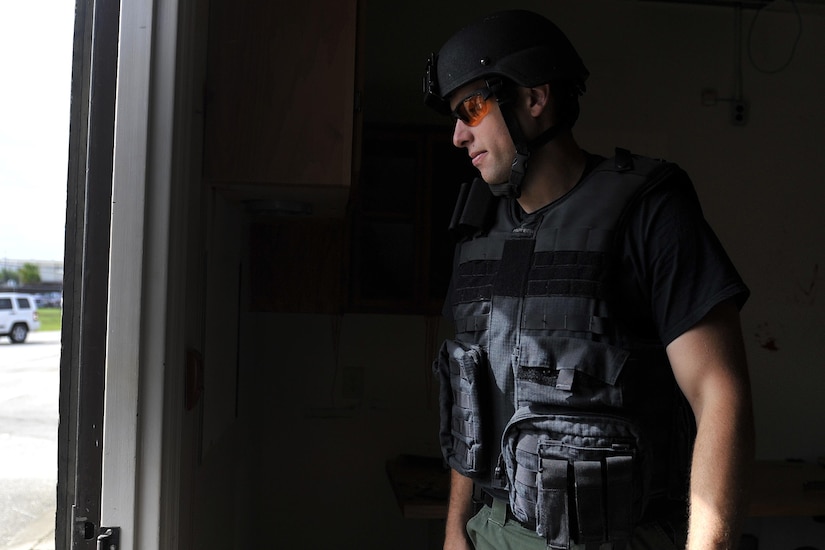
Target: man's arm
<point>458,512</point>
<point>710,366</point>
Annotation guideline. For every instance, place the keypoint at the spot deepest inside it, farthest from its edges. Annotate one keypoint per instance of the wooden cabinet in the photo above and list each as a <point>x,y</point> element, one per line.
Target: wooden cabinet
<point>402,205</point>
<point>297,266</point>
<point>393,253</point>
<point>281,79</point>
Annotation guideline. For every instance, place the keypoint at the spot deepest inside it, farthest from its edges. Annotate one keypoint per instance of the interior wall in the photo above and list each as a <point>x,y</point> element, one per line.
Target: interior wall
<point>760,184</point>
<point>318,454</point>
<point>306,465</point>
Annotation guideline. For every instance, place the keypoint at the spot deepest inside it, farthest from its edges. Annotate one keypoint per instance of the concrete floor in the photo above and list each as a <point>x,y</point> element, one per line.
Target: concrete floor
<point>29,393</point>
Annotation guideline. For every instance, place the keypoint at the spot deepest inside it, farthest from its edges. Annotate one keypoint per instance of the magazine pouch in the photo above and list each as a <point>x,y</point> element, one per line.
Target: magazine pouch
<point>461,369</point>
<point>577,478</point>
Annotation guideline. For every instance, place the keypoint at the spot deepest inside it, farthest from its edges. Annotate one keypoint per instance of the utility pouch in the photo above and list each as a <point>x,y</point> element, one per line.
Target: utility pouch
<point>461,369</point>
<point>577,477</point>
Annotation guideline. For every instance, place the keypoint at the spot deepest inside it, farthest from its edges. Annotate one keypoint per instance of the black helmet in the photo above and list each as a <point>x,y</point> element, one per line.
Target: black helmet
<point>510,47</point>
<point>520,46</point>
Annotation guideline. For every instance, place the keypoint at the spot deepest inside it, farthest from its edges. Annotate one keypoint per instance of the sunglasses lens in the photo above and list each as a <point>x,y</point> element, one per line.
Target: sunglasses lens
<point>473,109</point>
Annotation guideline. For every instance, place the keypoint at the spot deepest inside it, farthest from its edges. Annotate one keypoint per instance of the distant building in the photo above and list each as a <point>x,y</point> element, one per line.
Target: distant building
<point>51,274</point>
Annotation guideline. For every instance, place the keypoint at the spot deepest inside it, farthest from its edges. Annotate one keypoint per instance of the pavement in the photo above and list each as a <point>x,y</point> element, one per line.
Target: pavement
<point>29,394</point>
<point>38,535</point>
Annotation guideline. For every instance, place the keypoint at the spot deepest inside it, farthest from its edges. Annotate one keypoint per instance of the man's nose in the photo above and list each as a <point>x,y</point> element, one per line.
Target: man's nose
<point>461,134</point>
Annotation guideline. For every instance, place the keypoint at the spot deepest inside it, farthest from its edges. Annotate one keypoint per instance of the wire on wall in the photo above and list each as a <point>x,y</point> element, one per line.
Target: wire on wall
<point>787,62</point>
<point>335,328</point>
<point>737,40</point>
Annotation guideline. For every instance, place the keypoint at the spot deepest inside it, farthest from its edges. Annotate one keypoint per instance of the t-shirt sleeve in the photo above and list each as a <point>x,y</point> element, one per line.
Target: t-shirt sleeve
<point>682,269</point>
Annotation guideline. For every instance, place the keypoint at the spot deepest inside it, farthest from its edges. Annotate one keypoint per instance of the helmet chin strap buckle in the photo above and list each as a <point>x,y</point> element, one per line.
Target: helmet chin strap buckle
<point>505,190</point>
<point>512,189</point>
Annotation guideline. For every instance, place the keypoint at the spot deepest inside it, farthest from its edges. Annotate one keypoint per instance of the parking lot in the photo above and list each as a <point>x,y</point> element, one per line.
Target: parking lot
<point>29,390</point>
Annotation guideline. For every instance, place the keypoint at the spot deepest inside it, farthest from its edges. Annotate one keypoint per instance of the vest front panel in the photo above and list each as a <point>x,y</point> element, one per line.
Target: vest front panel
<point>536,296</point>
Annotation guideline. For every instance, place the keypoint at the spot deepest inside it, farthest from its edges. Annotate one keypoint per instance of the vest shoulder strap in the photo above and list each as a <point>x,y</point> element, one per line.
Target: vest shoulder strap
<point>474,209</point>
<point>651,172</point>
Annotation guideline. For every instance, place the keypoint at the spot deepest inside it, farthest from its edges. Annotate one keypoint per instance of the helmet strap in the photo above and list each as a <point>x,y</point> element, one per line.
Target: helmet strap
<point>512,189</point>
<point>524,148</point>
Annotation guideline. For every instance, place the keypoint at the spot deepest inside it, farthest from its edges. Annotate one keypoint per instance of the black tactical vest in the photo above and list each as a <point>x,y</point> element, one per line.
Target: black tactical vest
<point>547,399</point>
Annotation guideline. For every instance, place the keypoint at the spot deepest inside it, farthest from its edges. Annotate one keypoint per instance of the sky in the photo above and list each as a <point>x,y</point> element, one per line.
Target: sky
<point>35,90</point>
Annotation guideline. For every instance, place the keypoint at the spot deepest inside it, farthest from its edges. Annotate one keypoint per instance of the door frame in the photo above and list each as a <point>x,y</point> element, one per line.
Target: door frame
<point>153,159</point>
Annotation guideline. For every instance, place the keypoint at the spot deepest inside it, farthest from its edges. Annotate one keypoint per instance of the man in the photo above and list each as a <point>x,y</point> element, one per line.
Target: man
<point>593,308</point>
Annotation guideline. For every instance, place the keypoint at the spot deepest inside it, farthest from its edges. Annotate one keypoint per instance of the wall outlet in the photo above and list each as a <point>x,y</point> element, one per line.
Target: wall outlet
<point>738,112</point>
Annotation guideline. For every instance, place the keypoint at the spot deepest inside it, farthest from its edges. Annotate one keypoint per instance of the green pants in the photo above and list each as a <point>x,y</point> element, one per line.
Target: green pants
<point>491,530</point>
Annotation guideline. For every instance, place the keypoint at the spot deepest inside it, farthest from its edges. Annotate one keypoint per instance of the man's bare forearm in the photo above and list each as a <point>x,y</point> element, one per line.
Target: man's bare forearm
<point>710,366</point>
<point>722,461</point>
<point>458,513</point>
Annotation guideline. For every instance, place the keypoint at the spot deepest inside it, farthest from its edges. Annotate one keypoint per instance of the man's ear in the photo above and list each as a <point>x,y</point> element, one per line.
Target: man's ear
<point>539,99</point>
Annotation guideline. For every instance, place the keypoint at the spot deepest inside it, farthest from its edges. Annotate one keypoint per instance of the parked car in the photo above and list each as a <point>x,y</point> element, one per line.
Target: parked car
<point>18,316</point>
<point>49,299</point>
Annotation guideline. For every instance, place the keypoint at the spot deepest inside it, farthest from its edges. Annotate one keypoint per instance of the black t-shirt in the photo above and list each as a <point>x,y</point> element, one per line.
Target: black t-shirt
<point>673,268</point>
<point>676,264</point>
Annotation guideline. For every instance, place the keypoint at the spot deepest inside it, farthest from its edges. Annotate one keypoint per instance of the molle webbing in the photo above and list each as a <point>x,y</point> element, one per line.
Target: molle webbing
<point>511,279</point>
<point>544,320</point>
<point>534,298</point>
<point>461,372</point>
<point>475,323</point>
<point>564,274</point>
<point>572,487</point>
<point>503,264</point>
<point>568,251</point>
<point>567,273</point>
<point>560,273</point>
<point>554,502</point>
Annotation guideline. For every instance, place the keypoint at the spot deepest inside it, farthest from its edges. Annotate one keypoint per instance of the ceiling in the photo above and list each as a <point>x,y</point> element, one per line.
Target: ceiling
<point>752,4</point>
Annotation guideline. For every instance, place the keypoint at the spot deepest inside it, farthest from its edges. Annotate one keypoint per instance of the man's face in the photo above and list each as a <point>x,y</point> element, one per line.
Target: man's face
<point>488,143</point>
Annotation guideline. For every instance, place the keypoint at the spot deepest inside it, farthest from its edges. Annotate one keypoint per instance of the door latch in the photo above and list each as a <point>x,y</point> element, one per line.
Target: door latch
<point>109,538</point>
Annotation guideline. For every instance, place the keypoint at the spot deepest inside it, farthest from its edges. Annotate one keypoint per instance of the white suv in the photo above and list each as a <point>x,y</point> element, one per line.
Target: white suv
<point>18,316</point>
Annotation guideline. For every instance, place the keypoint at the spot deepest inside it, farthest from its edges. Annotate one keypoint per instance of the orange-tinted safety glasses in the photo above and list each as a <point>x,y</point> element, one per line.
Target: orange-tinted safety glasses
<point>473,108</point>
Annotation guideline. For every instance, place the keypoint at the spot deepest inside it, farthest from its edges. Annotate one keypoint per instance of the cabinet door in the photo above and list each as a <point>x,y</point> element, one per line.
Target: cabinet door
<point>280,89</point>
<point>403,202</point>
<point>296,266</point>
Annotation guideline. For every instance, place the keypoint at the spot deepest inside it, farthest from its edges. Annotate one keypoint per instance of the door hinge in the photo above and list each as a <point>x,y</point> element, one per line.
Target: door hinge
<point>109,538</point>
